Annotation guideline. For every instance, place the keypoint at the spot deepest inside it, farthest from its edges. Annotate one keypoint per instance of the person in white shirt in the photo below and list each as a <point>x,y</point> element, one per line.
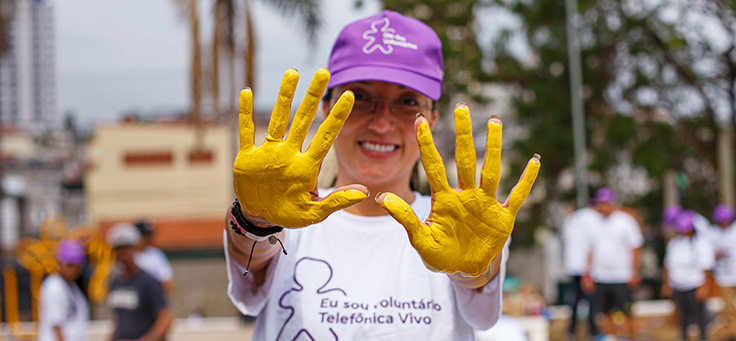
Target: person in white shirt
<point>576,231</point>
<point>613,262</point>
<point>151,259</point>
<point>64,311</point>
<point>687,265</point>
<point>399,266</point>
<point>723,239</point>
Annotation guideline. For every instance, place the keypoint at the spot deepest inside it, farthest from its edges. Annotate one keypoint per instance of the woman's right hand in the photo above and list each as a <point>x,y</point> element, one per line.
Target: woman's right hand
<point>276,180</point>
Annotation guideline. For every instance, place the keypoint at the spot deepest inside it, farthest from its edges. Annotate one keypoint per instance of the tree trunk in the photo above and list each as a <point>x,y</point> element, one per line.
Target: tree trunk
<point>725,166</point>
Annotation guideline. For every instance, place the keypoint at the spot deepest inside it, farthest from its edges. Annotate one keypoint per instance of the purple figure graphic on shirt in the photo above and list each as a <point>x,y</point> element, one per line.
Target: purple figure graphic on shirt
<point>311,277</point>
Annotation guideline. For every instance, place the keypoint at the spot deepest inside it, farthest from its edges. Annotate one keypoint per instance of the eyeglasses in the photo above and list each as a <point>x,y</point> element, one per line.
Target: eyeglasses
<point>404,108</point>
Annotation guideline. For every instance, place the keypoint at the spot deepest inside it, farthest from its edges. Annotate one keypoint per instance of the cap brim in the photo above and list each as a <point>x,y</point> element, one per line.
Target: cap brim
<point>430,87</point>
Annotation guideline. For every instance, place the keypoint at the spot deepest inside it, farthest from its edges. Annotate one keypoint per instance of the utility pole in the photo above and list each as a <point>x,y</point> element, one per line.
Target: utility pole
<point>576,98</point>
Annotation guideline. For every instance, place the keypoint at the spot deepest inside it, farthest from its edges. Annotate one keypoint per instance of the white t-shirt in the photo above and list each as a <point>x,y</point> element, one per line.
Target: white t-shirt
<point>612,242</point>
<point>507,329</point>
<point>153,261</point>
<point>62,305</point>
<point>724,241</point>
<point>701,224</point>
<point>576,238</point>
<point>354,277</point>
<point>686,260</point>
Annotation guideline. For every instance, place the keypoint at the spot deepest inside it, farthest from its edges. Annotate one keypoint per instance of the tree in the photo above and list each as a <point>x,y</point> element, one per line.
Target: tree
<point>227,23</point>
<point>643,77</point>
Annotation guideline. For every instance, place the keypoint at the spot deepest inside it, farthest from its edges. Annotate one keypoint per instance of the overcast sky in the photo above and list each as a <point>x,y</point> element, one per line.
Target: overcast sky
<point>115,56</point>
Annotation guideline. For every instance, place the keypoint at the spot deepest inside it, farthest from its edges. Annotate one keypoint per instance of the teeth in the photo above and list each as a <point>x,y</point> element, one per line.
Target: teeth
<point>380,148</point>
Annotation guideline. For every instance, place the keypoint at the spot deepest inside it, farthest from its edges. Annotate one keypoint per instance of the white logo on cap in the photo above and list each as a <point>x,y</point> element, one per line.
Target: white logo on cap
<point>389,38</point>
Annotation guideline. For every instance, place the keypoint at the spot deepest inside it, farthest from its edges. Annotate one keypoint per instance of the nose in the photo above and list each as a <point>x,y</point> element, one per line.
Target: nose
<point>381,120</point>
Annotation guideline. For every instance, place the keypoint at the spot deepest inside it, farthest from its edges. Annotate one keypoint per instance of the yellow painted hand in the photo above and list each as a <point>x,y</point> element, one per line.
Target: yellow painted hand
<point>276,180</point>
<point>468,227</point>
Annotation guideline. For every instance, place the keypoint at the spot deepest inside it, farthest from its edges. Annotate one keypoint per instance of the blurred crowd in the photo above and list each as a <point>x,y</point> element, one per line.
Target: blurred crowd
<point>602,253</point>
<point>140,284</point>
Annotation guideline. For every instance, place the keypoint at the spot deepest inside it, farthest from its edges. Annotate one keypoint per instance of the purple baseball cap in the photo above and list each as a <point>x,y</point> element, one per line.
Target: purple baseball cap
<point>723,213</point>
<point>605,195</point>
<point>70,251</point>
<point>670,213</point>
<point>684,221</point>
<point>389,47</point>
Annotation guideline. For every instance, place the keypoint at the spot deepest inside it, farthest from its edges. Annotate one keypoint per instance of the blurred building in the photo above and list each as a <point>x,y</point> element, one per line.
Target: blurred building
<point>165,172</point>
<point>40,178</point>
<point>27,72</point>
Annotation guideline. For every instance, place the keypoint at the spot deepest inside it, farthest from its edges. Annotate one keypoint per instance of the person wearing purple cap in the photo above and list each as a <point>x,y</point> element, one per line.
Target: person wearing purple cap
<point>723,239</point>
<point>63,308</point>
<point>687,267</point>
<point>400,265</point>
<point>613,261</point>
<point>669,214</point>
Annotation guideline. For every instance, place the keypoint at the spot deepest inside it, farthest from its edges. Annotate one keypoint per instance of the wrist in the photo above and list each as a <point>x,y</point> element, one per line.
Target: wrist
<point>243,224</point>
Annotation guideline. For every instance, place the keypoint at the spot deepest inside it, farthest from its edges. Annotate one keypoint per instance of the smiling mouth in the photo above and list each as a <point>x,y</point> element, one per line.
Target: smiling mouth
<point>379,148</point>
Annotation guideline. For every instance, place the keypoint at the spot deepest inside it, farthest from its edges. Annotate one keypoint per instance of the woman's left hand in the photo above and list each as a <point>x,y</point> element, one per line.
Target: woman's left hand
<point>467,227</point>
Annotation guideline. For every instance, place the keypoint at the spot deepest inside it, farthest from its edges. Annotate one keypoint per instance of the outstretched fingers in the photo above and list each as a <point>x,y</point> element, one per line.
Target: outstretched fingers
<point>245,119</point>
<point>308,108</point>
<point>282,110</point>
<point>490,174</point>
<point>521,191</point>
<point>332,125</point>
<point>431,159</point>
<point>464,147</point>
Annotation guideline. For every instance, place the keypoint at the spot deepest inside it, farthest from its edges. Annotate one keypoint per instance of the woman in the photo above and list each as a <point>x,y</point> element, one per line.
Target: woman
<point>64,311</point>
<point>687,263</point>
<point>350,273</point>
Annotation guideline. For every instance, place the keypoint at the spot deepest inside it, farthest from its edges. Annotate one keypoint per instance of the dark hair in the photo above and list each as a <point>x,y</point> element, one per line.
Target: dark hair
<point>145,228</point>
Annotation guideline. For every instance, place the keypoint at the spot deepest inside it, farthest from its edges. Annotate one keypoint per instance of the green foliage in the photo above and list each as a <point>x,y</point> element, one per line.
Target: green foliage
<point>655,85</point>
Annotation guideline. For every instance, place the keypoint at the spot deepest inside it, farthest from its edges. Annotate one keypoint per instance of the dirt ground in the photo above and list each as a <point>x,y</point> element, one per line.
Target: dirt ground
<point>648,328</point>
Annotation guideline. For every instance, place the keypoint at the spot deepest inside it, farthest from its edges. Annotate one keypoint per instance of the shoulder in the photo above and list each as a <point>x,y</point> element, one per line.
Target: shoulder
<point>623,217</point>
<point>53,284</point>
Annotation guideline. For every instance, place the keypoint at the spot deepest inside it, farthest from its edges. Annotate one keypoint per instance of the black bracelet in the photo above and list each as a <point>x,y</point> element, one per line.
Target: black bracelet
<point>241,224</point>
<point>244,227</point>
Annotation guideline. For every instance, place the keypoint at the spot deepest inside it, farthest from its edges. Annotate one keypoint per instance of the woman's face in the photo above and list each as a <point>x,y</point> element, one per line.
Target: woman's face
<point>70,272</point>
<point>377,146</point>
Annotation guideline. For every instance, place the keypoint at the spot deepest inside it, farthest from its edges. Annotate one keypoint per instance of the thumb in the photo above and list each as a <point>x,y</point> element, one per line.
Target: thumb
<point>419,233</point>
<point>340,198</point>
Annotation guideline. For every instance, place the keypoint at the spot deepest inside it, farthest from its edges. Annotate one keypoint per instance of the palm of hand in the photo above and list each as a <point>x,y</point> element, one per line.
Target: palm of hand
<point>468,228</point>
<point>276,180</point>
<point>476,227</point>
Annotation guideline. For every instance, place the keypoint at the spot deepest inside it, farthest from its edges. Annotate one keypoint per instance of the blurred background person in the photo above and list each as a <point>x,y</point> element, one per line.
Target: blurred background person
<point>64,311</point>
<point>576,242</point>
<point>723,239</point>
<point>687,264</point>
<point>613,260</point>
<point>151,259</point>
<point>136,297</point>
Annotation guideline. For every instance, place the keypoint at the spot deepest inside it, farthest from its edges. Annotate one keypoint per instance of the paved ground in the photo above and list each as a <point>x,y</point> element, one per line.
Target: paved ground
<point>230,328</point>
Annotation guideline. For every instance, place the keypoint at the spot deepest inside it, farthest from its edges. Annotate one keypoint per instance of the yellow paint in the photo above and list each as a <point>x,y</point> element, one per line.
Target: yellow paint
<point>468,227</point>
<point>276,180</point>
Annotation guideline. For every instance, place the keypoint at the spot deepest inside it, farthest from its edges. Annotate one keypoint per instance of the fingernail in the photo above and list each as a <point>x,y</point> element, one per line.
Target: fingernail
<point>420,115</point>
<point>377,195</point>
<point>537,156</point>
<point>461,104</point>
<point>496,116</point>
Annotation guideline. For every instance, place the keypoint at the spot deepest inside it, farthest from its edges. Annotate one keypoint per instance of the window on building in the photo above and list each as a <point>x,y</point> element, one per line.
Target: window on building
<point>158,158</point>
